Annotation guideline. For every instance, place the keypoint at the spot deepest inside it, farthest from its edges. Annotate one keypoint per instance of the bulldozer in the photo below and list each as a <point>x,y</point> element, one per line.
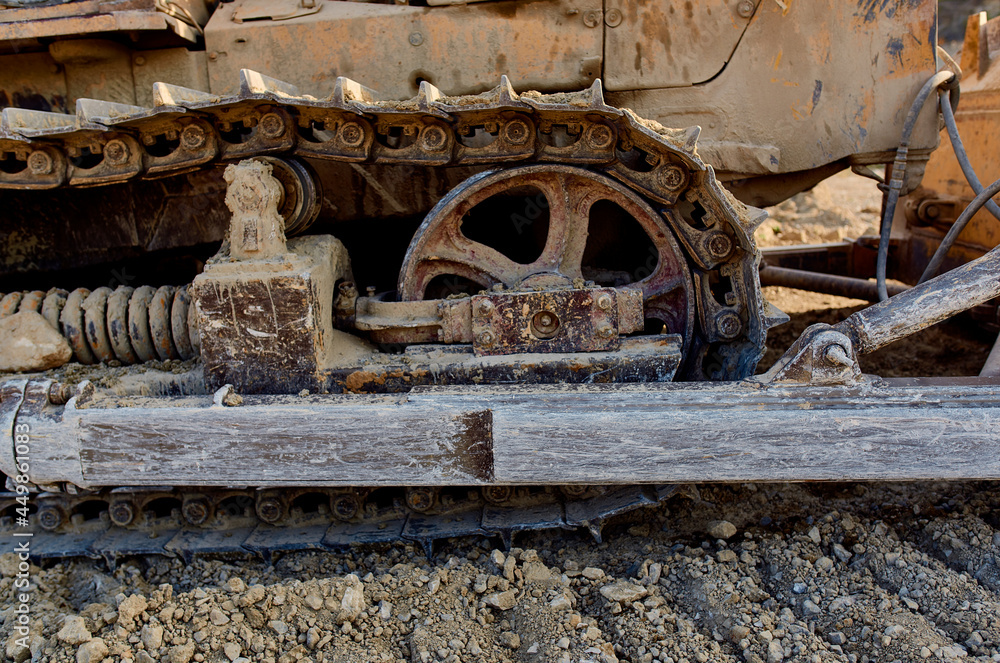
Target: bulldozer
<point>309,273</point>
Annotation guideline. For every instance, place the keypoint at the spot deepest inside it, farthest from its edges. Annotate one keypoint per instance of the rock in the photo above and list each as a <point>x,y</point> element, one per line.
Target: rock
<point>143,657</point>
<point>501,600</point>
<point>841,553</point>
<point>8,565</point>
<point>29,343</point>
<point>74,631</point>
<point>16,651</point>
<point>152,637</point>
<point>894,631</point>
<point>498,558</point>
<point>810,607</point>
<point>721,529</point>
<point>726,556</point>
<point>231,650</point>
<point>775,653</point>
<point>253,596</point>
<point>278,626</point>
<point>823,564</point>
<point>313,636</point>
<point>92,651</point>
<point>129,610</point>
<point>814,535</point>
<point>182,653</point>
<point>563,643</point>
<point>510,640</point>
<point>837,638</point>
<point>354,600</point>
<point>623,592</point>
<point>591,573</point>
<point>799,588</point>
<point>560,603</point>
<point>218,617</point>
<point>537,572</point>
<point>314,601</point>
<point>655,569</point>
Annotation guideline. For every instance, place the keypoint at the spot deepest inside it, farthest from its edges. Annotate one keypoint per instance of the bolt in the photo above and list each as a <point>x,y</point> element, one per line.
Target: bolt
<point>116,152</point>
<point>728,325</point>
<point>836,355</point>
<point>420,499</point>
<point>345,507</point>
<point>193,137</point>
<point>745,8</point>
<point>269,509</point>
<point>485,307</point>
<point>497,494</point>
<point>39,163</point>
<point>121,513</point>
<point>213,56</point>
<point>486,338</point>
<point>272,126</point>
<point>604,302</point>
<point>433,138</point>
<point>139,61</point>
<point>613,18</point>
<point>50,517</point>
<point>416,39</point>
<point>516,132</point>
<point>196,512</point>
<point>932,211</point>
<point>592,18</point>
<point>600,136</point>
<point>60,393</point>
<point>719,245</point>
<point>605,331</point>
<point>351,134</point>
<point>672,177</point>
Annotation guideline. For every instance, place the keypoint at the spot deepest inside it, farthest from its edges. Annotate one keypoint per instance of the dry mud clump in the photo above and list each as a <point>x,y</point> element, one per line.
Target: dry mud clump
<point>754,572</point>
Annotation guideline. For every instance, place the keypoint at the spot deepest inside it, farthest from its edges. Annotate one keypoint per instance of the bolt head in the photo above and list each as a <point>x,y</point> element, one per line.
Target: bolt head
<point>485,307</point>
<point>192,137</point>
<point>40,163</point>
<point>351,134</point>
<point>600,136</point>
<point>486,338</point>
<point>516,132</point>
<point>719,245</point>
<point>116,152</point>
<point>269,509</point>
<point>672,177</point>
<point>604,302</point>
<point>50,517</point>
<point>121,513</point>
<point>433,138</point>
<point>592,18</point>
<point>196,512</point>
<point>745,8</point>
<point>728,325</point>
<point>271,125</point>
<point>613,18</point>
<point>416,39</point>
<point>605,331</point>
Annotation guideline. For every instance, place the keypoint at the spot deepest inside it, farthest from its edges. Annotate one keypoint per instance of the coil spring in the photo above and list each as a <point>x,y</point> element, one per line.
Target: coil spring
<point>130,325</point>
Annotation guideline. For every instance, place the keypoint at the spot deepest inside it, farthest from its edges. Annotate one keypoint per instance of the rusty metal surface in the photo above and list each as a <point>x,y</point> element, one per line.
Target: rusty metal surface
<point>671,43</point>
<point>834,71</point>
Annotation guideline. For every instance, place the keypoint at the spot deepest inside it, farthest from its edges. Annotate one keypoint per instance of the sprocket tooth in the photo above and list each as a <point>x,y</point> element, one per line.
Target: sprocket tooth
<point>596,91</point>
<point>33,123</point>
<point>95,111</point>
<point>165,94</point>
<point>346,90</point>
<point>691,135</point>
<point>255,83</point>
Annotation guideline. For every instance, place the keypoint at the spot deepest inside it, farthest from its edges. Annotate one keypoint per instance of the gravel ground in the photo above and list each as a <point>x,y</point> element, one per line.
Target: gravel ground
<point>753,572</point>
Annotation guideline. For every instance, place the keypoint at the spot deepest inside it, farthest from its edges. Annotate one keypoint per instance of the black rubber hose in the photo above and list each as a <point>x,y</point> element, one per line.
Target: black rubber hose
<point>960,154</point>
<point>970,211</point>
<point>899,175</point>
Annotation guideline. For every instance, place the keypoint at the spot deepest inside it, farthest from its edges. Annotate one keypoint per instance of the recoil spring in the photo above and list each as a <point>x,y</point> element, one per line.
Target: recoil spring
<point>129,325</point>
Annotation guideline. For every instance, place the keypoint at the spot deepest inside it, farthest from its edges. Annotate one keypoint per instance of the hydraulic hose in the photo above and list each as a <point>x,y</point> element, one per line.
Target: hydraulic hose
<point>970,211</point>
<point>899,175</point>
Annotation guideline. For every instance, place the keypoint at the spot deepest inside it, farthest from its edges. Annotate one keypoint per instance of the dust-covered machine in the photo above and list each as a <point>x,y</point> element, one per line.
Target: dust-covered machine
<point>304,273</point>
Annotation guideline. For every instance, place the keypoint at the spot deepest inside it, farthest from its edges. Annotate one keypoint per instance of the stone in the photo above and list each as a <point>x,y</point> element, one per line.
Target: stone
<point>810,607</point>
<point>143,657</point>
<point>510,640</point>
<point>353,601</point>
<point>74,631</point>
<point>92,651</point>
<point>313,601</point>
<point>182,653</point>
<point>278,626</point>
<point>721,529</point>
<point>894,631</point>
<point>799,588</point>
<point>151,636</point>
<point>498,558</point>
<point>591,573</point>
<point>623,592</point>
<point>501,600</point>
<point>218,617</point>
<point>775,653</point>
<point>823,564</point>
<point>129,610</point>
<point>837,638</point>
<point>560,603</point>
<point>726,556</point>
<point>29,343</point>
<point>15,649</point>
<point>841,553</point>
<point>563,643</point>
<point>536,572</point>
<point>231,650</point>
<point>814,535</point>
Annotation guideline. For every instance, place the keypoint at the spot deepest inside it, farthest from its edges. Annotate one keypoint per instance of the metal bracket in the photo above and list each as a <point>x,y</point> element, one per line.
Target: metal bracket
<point>821,356</point>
